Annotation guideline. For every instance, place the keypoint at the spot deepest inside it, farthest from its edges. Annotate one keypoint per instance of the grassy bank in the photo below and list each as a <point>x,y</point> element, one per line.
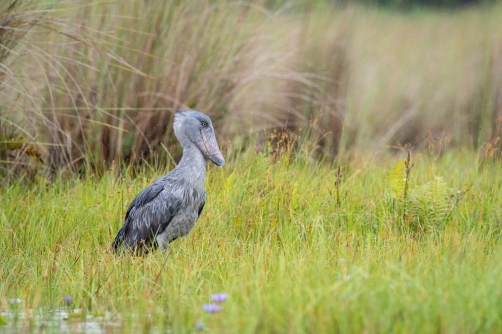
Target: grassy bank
<point>292,256</point>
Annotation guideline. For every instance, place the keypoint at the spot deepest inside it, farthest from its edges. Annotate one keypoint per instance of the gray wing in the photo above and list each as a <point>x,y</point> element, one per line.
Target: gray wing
<point>148,215</point>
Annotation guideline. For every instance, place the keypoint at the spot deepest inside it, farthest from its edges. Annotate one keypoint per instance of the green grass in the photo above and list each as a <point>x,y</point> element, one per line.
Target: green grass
<point>273,238</point>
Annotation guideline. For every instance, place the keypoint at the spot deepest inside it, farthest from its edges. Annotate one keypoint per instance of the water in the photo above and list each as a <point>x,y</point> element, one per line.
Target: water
<point>59,321</point>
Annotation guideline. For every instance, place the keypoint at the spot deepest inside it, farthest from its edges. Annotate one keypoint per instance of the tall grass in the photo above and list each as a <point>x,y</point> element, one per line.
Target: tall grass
<point>16,20</point>
<point>30,35</point>
<point>192,55</point>
<point>273,237</point>
<point>425,75</point>
<point>94,84</point>
<point>97,108</point>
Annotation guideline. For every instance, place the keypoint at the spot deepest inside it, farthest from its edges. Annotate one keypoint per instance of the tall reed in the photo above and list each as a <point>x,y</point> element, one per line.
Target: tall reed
<point>94,85</point>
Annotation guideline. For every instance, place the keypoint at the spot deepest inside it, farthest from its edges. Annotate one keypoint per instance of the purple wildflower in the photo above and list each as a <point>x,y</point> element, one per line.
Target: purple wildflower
<point>219,297</point>
<point>15,300</point>
<point>211,308</point>
<point>67,300</point>
<point>199,326</point>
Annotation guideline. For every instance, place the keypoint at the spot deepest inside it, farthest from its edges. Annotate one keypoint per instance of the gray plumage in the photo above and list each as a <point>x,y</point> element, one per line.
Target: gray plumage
<point>169,207</point>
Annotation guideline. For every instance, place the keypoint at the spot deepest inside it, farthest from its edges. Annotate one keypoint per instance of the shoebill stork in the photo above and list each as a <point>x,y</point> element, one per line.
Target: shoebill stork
<point>169,207</point>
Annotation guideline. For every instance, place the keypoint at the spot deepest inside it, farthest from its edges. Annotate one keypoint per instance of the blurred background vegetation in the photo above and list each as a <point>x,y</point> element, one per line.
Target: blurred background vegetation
<point>89,85</point>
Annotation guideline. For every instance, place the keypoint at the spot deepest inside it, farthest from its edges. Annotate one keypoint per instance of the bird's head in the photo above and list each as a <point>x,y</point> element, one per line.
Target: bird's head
<point>197,128</point>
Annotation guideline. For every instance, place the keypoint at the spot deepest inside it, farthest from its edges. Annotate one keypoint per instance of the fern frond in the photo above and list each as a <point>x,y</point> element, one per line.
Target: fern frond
<point>429,203</point>
<point>419,206</point>
<point>440,198</point>
<point>396,180</point>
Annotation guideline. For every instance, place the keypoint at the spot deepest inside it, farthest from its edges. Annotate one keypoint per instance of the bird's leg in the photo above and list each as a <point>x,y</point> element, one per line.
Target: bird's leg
<point>162,241</point>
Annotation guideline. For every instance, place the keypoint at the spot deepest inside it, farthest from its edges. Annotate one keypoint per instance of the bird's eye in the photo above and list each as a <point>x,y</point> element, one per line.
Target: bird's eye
<point>203,124</point>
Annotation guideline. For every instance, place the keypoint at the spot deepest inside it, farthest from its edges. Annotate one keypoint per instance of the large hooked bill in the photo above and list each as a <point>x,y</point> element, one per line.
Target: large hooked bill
<point>209,146</point>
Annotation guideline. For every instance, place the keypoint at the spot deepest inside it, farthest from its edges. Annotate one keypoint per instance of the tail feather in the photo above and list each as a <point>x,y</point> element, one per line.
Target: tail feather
<point>122,243</point>
<point>119,239</point>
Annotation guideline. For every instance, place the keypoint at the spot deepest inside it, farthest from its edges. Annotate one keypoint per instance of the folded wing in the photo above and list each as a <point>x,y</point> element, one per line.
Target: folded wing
<point>148,215</point>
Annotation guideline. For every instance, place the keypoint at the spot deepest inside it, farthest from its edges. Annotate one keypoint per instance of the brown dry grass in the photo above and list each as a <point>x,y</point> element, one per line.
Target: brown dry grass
<point>432,75</point>
<point>94,84</point>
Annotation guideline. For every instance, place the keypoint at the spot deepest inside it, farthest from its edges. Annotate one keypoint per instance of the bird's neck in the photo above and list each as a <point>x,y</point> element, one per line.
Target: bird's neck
<point>192,166</point>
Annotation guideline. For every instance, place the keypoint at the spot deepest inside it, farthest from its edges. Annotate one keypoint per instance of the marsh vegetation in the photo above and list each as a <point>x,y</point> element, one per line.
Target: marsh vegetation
<point>319,222</point>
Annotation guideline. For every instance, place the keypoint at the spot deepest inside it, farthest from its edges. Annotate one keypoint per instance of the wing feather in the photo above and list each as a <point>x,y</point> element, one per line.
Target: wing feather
<point>201,208</point>
<point>149,214</point>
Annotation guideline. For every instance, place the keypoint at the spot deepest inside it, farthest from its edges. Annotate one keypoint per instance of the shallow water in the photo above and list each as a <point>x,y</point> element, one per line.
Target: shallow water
<point>60,320</point>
